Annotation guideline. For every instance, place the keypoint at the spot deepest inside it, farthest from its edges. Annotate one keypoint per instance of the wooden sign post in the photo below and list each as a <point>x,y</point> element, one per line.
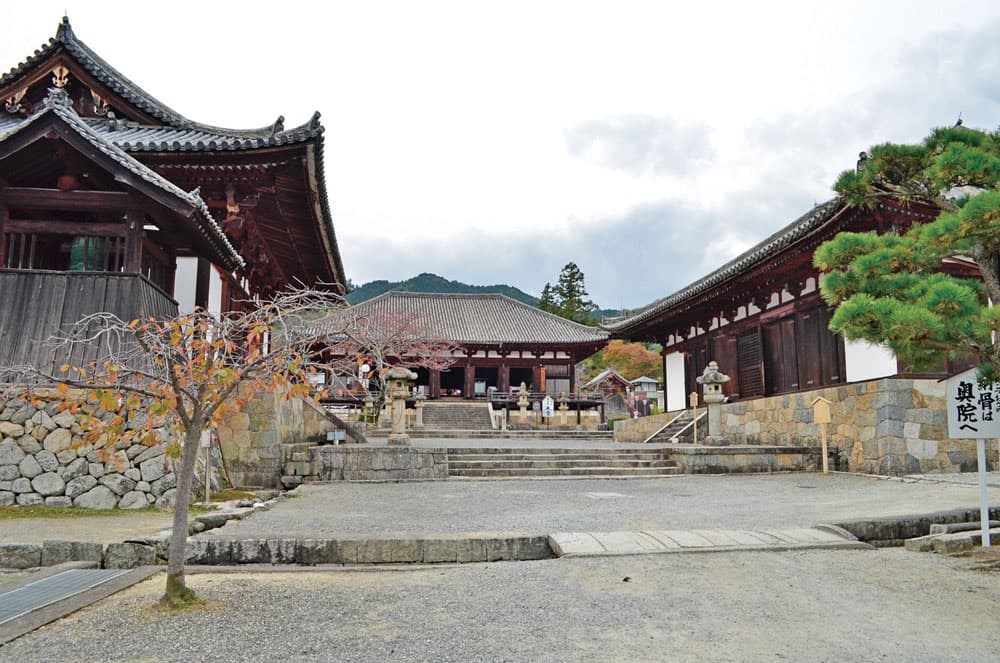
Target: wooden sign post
<point>821,416</point>
<point>693,401</point>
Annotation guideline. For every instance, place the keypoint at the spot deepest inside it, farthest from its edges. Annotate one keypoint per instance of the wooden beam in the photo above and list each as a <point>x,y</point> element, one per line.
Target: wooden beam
<point>72,201</point>
<point>59,227</point>
<point>133,241</point>
<point>202,282</point>
<point>3,236</point>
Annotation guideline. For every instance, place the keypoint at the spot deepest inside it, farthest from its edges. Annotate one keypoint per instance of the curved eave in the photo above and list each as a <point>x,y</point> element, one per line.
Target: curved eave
<point>321,205</point>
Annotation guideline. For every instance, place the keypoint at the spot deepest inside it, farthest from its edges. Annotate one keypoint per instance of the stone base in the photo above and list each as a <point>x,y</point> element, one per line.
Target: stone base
<point>399,439</point>
<point>715,441</point>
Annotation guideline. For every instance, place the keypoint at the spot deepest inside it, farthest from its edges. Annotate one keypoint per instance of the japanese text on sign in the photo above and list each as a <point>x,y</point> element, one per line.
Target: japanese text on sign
<point>973,409</point>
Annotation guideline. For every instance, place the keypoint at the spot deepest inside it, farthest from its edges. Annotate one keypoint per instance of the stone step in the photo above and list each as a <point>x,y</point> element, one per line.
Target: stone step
<point>556,454</point>
<point>566,471</point>
<point>596,462</point>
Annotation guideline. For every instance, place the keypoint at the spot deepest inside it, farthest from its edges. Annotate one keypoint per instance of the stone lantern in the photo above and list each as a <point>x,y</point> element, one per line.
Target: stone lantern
<point>711,381</point>
<point>398,393</point>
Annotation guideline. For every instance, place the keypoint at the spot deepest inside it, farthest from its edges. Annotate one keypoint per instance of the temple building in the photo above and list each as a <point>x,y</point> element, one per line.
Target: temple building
<point>500,342</point>
<point>111,201</point>
<point>761,317</point>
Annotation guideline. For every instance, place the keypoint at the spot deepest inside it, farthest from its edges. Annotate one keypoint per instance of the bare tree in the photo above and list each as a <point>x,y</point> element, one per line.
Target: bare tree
<point>188,373</point>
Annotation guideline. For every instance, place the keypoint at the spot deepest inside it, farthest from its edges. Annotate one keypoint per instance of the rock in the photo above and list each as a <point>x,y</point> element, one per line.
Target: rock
<point>58,440</point>
<point>133,499</point>
<point>160,486</point>
<point>96,469</point>
<point>10,453</point>
<point>7,498</point>
<point>118,483</point>
<point>83,450</point>
<point>25,412</point>
<point>30,499</point>
<point>135,450</point>
<point>142,486</point>
<point>48,484</point>
<point>152,469</point>
<point>166,501</point>
<point>150,452</point>
<point>20,555</point>
<point>80,485</point>
<point>133,473</point>
<point>66,456</point>
<point>213,520</point>
<point>75,469</point>
<point>40,433</point>
<point>8,429</point>
<point>30,444</point>
<point>98,497</point>
<point>129,555</point>
<point>59,500</point>
<point>21,485</point>
<point>117,463</point>
<point>9,472</point>
<point>42,418</point>
<point>29,467</point>
<point>57,552</point>
<point>196,528</point>
<point>64,419</point>
<point>47,460</point>
<point>150,498</point>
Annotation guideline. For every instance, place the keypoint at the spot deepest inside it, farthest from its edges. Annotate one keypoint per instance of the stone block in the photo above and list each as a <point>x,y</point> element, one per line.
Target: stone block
<point>440,550</point>
<point>146,453</point>
<point>20,555</point>
<point>9,472</point>
<point>933,431</point>
<point>118,483</point>
<point>58,440</point>
<point>64,419</point>
<point>48,484</point>
<point>7,429</point>
<point>29,467</point>
<point>66,456</point>
<point>10,452</point>
<point>142,486</point>
<point>116,463</point>
<point>21,485</point>
<point>79,485</point>
<point>60,501</point>
<point>134,499</point>
<point>133,473</point>
<point>58,552</point>
<point>95,469</point>
<point>165,501</point>
<point>128,555</point>
<point>29,444</point>
<point>30,499</point>
<point>98,497</point>
<point>77,468</point>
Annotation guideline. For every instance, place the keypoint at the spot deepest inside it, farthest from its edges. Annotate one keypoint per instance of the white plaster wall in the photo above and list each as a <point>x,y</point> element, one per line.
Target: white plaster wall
<point>673,374</point>
<point>214,292</point>
<point>867,361</point>
<point>185,279</point>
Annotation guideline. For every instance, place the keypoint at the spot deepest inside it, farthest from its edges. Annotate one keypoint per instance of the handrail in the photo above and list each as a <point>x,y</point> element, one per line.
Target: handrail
<point>673,438</point>
<point>664,427</point>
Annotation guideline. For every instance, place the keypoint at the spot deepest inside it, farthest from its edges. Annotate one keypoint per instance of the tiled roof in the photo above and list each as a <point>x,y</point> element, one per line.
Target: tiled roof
<point>122,85</point>
<point>607,373</point>
<point>58,104</point>
<point>762,251</point>
<point>479,319</point>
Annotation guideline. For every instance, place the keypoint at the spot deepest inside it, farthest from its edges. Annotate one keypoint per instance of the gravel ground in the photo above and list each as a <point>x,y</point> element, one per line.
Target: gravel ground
<point>99,528</point>
<point>804,606</point>
<point>540,506</point>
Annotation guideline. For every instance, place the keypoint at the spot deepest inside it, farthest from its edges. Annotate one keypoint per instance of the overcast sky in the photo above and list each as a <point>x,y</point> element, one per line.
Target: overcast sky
<point>494,142</point>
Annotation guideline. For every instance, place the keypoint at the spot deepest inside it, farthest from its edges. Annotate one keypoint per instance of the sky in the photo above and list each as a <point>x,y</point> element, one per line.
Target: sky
<point>648,142</point>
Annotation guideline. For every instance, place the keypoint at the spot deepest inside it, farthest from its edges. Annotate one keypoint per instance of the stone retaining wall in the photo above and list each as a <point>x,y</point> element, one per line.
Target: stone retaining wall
<point>364,463</point>
<point>635,431</point>
<point>723,460</point>
<point>44,459</point>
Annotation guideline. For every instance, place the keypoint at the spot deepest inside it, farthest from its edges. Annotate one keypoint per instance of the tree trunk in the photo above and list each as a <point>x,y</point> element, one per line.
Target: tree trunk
<point>177,591</point>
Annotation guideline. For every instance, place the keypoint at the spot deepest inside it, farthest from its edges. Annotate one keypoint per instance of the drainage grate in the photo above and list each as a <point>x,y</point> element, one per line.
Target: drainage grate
<point>19,602</point>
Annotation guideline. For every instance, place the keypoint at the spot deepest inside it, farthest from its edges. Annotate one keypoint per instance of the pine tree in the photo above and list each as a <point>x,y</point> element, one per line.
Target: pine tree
<point>889,288</point>
<point>569,296</point>
<point>548,301</point>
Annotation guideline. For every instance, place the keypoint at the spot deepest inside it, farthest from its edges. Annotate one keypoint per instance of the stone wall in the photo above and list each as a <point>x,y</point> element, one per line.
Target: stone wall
<point>635,431</point>
<point>364,463</point>
<point>252,440</point>
<point>886,426</point>
<point>44,459</point>
<point>697,459</point>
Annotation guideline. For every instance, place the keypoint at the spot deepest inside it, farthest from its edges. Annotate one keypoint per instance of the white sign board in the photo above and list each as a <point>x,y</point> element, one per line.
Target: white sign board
<point>973,411</point>
<point>548,406</point>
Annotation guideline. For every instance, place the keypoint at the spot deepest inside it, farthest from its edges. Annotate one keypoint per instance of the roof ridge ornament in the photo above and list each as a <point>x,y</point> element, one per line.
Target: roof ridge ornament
<point>64,32</point>
<point>58,97</point>
<point>314,121</point>
<point>278,126</point>
<point>60,76</point>
<point>13,104</point>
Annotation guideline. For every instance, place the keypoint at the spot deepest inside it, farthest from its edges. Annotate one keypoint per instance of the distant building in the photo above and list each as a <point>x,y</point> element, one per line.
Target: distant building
<point>642,385</point>
<point>608,382</point>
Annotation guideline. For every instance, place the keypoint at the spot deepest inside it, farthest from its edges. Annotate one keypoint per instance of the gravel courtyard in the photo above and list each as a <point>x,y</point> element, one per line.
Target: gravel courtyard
<point>874,605</point>
<point>546,506</point>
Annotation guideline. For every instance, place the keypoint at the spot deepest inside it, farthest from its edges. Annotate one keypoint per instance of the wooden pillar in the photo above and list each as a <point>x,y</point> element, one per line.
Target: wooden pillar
<point>435,383</point>
<point>470,381</point>
<point>202,283</point>
<point>536,379</point>
<point>3,238</point>
<point>133,241</point>
<point>572,373</point>
<point>503,377</point>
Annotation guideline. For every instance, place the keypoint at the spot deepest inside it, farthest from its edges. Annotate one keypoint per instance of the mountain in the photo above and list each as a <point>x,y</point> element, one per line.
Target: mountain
<point>433,283</point>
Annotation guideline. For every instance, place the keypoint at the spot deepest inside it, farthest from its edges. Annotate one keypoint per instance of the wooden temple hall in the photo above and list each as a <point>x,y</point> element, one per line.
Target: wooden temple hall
<point>498,342</point>
<point>110,200</point>
<point>761,317</point>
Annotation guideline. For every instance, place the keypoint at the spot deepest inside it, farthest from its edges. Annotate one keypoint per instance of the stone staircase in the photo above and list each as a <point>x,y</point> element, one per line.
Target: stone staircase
<point>554,462</point>
<point>666,434</point>
<point>457,416</point>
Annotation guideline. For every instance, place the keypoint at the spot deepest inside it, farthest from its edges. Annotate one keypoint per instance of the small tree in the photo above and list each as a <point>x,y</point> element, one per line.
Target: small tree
<point>890,288</point>
<point>568,298</point>
<point>188,373</point>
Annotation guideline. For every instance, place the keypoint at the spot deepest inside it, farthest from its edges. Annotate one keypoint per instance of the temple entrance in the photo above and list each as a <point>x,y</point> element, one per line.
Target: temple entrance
<point>519,375</point>
<point>452,381</point>
<point>487,380</point>
<point>423,381</point>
